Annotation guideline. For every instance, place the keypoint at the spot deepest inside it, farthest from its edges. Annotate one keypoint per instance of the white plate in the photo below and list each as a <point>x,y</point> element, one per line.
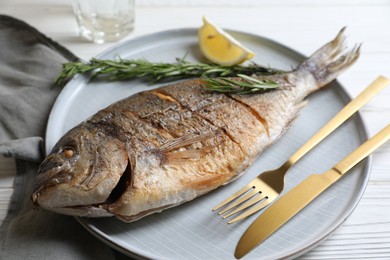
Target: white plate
<point>192,231</point>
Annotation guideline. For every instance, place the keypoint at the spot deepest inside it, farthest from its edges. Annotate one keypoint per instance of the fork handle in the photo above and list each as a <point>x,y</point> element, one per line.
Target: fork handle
<point>363,151</point>
<point>375,87</point>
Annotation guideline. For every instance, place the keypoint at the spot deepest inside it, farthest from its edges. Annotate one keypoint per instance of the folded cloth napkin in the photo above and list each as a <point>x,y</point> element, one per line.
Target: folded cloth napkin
<point>29,62</point>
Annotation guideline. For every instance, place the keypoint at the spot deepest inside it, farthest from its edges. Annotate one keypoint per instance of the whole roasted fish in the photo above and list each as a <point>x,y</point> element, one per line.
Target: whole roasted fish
<point>160,148</point>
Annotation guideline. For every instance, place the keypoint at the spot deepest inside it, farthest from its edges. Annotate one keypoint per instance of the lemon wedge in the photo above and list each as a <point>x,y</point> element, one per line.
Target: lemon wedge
<point>220,47</point>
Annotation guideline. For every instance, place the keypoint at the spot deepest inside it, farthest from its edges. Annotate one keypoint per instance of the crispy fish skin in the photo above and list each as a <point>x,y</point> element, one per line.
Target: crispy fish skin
<point>160,148</point>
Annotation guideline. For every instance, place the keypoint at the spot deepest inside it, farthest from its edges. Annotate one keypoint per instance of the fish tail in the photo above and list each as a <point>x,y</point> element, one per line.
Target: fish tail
<point>331,59</point>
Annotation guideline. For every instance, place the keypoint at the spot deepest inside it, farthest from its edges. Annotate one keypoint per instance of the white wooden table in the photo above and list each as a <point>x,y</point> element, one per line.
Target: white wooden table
<point>303,25</point>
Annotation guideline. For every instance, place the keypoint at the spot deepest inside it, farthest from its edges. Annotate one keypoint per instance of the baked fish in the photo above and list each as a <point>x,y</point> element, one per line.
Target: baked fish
<point>166,146</point>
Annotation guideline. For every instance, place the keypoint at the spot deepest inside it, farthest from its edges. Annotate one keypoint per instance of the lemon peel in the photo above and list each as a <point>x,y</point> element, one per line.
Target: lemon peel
<point>220,47</point>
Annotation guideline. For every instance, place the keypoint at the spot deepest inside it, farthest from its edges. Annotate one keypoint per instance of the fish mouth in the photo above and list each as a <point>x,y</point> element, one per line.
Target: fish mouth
<point>58,175</point>
<point>52,177</point>
<point>52,171</point>
<point>46,178</point>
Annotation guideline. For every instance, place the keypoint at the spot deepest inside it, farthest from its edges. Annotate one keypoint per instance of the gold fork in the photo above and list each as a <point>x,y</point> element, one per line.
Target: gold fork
<point>267,186</point>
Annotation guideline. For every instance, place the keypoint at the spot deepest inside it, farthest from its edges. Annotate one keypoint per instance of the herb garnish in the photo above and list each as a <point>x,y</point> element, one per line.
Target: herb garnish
<point>242,85</point>
<point>122,69</point>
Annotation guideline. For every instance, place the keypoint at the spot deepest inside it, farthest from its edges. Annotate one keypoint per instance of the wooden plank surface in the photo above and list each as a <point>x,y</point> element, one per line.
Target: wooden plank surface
<point>302,25</point>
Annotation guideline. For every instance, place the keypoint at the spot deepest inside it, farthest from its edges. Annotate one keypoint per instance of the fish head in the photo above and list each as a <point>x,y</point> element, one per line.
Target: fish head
<point>80,173</point>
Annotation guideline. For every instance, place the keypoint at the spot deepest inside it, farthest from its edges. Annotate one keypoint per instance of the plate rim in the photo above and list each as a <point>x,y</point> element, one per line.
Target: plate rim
<point>363,133</point>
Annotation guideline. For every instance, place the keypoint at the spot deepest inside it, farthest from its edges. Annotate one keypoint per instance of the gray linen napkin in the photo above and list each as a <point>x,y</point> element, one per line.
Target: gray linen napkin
<point>29,62</point>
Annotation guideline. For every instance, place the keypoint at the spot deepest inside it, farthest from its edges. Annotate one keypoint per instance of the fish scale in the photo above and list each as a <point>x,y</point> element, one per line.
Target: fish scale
<point>222,112</point>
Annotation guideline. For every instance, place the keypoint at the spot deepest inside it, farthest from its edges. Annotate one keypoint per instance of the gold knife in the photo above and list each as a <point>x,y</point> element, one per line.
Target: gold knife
<point>301,195</point>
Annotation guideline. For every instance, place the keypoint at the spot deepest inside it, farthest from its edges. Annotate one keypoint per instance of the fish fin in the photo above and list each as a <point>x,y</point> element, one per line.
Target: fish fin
<point>182,156</point>
<point>295,113</point>
<point>298,107</point>
<point>331,59</point>
<point>185,141</point>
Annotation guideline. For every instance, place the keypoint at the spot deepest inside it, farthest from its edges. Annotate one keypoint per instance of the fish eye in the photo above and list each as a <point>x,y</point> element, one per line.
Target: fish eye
<point>68,152</point>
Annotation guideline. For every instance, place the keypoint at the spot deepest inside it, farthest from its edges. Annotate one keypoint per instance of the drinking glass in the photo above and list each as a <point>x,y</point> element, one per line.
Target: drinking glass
<point>104,20</point>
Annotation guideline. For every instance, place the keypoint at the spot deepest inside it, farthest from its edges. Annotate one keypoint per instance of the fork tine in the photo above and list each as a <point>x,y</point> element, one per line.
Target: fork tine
<point>252,210</point>
<point>251,202</point>
<point>246,196</point>
<point>234,196</point>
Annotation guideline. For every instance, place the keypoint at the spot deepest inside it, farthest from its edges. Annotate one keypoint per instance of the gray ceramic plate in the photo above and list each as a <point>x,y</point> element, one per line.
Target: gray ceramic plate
<point>192,231</point>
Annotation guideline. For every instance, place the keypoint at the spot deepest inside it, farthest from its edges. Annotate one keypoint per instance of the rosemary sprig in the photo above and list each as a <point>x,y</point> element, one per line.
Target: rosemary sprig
<point>122,69</point>
<point>242,85</point>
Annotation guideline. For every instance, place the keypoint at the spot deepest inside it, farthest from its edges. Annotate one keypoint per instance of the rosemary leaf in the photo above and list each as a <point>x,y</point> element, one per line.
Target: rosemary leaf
<point>122,69</point>
<point>242,85</point>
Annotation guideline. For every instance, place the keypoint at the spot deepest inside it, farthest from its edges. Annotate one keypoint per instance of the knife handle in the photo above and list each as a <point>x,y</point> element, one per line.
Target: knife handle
<point>374,88</point>
<point>363,151</point>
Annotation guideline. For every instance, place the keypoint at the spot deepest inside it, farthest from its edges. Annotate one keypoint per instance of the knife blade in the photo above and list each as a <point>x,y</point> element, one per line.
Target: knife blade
<point>301,195</point>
